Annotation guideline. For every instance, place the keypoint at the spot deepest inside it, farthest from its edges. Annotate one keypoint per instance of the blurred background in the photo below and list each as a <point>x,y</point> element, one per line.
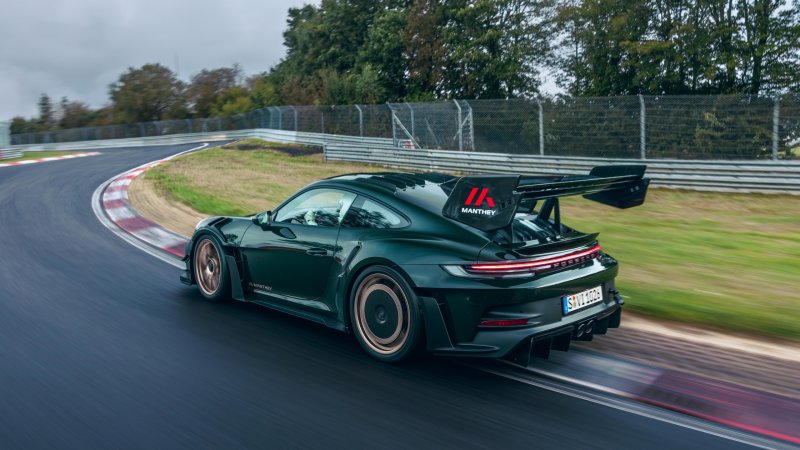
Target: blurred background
<point>706,93</point>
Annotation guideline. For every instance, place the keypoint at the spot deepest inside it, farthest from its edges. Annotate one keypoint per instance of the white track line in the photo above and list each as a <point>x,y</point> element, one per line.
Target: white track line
<point>634,407</point>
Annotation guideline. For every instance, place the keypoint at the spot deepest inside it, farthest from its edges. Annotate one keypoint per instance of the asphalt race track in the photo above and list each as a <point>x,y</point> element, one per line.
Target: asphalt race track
<point>101,346</point>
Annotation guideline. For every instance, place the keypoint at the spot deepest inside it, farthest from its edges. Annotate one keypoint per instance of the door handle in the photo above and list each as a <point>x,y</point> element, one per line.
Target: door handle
<point>317,252</point>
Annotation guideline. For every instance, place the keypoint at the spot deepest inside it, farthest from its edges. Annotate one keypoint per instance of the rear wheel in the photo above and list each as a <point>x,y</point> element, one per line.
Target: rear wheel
<point>210,270</point>
<point>385,315</point>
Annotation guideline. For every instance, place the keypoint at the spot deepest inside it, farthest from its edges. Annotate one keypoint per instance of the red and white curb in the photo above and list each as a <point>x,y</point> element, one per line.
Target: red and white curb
<point>47,159</point>
<point>113,208</point>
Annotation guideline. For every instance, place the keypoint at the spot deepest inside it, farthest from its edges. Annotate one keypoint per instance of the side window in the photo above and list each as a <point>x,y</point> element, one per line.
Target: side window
<point>317,207</point>
<point>366,213</point>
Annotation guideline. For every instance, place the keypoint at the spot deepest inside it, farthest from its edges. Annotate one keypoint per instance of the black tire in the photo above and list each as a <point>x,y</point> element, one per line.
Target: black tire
<point>385,314</point>
<point>210,269</point>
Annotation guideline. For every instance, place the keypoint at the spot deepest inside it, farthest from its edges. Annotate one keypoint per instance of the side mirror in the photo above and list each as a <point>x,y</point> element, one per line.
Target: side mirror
<point>263,219</point>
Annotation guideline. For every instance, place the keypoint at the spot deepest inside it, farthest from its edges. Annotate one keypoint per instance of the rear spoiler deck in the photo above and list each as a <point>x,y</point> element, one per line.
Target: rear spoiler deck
<point>489,202</point>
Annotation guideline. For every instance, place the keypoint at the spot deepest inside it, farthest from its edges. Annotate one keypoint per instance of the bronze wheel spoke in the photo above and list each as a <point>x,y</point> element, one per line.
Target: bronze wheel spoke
<point>207,267</point>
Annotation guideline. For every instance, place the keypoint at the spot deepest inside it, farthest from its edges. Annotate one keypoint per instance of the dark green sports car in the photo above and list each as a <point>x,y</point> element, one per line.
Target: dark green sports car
<point>476,266</point>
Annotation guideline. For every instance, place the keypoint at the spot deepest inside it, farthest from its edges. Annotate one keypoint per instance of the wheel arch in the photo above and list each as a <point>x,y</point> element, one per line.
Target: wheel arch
<point>355,272</point>
<point>206,231</point>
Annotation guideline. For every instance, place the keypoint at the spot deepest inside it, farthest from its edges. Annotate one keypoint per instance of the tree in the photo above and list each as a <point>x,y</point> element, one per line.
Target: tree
<point>425,50</point>
<point>75,114</point>
<point>598,36</point>
<point>263,91</point>
<point>47,119</point>
<point>20,125</point>
<point>383,54</point>
<point>207,86</point>
<point>233,101</point>
<point>495,47</point>
<point>770,44</point>
<point>151,92</point>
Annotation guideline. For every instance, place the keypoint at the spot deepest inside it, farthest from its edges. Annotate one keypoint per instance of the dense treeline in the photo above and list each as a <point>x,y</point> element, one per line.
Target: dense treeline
<point>373,51</point>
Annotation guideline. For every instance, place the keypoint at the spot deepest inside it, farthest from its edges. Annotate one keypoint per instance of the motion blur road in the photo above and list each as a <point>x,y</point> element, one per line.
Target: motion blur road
<point>101,346</point>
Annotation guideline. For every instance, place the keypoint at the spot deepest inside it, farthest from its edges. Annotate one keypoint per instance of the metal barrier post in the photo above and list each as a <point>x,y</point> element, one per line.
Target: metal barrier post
<point>412,119</point>
<point>322,120</point>
<point>776,115</point>
<point>471,126</point>
<point>360,122</point>
<point>394,125</point>
<point>541,127</point>
<point>260,118</point>
<point>295,116</point>
<point>460,127</point>
<point>642,121</point>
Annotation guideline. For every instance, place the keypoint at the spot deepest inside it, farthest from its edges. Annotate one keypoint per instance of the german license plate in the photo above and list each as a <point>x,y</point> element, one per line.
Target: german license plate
<point>574,302</point>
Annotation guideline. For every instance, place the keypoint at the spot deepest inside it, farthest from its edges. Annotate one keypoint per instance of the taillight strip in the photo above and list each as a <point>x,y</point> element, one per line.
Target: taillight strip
<point>532,264</point>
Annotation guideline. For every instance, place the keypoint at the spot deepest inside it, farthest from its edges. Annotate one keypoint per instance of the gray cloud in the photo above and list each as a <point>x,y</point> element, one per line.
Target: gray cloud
<point>77,48</point>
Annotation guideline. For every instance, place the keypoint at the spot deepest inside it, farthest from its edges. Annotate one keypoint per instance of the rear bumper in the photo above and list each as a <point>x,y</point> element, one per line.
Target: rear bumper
<point>520,343</point>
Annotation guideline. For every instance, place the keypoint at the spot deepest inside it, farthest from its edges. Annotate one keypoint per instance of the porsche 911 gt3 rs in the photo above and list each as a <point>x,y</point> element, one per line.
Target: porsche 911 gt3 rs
<point>477,266</point>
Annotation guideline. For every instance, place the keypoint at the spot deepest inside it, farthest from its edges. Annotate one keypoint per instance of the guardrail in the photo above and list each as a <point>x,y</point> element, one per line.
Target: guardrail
<point>9,154</point>
<point>742,176</point>
<point>746,176</point>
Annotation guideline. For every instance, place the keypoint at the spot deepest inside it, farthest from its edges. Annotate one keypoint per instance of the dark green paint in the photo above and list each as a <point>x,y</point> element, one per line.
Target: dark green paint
<point>308,270</point>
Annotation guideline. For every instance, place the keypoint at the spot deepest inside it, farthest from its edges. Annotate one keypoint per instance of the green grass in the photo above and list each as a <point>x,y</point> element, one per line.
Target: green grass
<point>36,155</point>
<point>730,261</point>
<point>726,261</point>
<point>227,181</point>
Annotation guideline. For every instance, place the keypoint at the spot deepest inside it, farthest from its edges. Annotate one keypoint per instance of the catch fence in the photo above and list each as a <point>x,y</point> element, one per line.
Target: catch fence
<point>721,127</point>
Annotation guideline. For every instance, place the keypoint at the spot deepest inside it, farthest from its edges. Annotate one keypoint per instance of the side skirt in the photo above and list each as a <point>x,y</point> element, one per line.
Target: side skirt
<point>264,300</point>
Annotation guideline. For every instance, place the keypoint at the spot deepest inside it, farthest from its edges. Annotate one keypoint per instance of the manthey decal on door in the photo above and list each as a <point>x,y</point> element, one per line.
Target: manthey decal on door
<point>485,201</point>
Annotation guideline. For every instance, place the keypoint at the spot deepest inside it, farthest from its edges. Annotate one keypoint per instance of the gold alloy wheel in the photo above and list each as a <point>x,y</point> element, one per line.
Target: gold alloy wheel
<point>207,267</point>
<point>382,314</point>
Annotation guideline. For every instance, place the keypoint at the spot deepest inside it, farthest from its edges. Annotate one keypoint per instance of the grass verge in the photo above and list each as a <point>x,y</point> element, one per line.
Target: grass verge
<point>37,155</point>
<point>728,261</point>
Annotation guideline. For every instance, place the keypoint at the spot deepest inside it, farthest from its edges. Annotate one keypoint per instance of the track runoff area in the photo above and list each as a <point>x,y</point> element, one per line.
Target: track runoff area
<point>728,412</point>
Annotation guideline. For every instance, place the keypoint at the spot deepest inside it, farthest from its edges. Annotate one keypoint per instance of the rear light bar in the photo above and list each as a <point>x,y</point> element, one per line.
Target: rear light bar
<point>503,322</point>
<point>532,265</point>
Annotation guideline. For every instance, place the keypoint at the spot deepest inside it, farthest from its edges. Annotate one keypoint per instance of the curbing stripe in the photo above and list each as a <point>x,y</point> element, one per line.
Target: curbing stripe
<point>111,199</point>
<point>47,159</point>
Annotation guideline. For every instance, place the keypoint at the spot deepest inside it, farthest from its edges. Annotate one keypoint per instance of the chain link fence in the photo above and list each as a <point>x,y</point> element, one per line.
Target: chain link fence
<point>635,127</point>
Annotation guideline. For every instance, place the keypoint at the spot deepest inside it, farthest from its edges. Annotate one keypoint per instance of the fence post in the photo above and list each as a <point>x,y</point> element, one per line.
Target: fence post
<point>394,124</point>
<point>776,115</point>
<point>541,126</point>
<point>460,131</point>
<point>322,120</point>
<point>360,122</point>
<point>642,122</point>
<point>260,112</point>
<point>412,119</point>
<point>295,117</point>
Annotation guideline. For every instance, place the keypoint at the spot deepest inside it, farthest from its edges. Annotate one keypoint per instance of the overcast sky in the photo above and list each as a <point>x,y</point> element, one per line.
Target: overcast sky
<point>77,48</point>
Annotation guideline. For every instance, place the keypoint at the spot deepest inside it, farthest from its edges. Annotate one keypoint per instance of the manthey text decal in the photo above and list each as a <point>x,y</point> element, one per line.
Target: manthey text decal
<point>476,203</point>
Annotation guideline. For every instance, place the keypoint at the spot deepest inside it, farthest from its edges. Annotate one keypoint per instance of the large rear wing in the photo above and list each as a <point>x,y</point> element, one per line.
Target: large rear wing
<point>489,202</point>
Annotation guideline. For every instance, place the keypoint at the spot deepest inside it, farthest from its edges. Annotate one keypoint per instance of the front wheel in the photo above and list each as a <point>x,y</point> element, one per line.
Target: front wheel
<point>385,315</point>
<point>210,270</point>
